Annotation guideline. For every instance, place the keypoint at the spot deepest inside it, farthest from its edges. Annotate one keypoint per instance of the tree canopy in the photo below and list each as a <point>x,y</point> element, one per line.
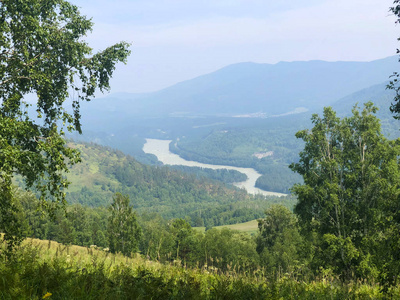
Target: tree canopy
<point>42,54</point>
<point>278,241</point>
<point>394,83</point>
<point>123,230</point>
<point>350,196</point>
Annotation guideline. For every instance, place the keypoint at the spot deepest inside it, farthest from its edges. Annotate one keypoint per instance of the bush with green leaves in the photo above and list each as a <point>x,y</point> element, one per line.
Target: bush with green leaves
<point>348,206</point>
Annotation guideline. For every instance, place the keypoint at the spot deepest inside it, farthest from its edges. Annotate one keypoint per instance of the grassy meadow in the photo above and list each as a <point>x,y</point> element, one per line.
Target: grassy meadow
<point>49,270</point>
<point>250,227</point>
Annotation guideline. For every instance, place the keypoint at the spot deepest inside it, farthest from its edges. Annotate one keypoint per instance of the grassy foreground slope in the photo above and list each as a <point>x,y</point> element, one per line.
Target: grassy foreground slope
<point>170,193</point>
<point>48,270</point>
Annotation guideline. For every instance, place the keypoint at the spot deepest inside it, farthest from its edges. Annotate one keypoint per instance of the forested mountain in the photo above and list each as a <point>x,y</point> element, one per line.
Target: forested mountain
<point>382,97</point>
<point>234,141</point>
<point>377,93</point>
<point>248,88</point>
<point>169,192</point>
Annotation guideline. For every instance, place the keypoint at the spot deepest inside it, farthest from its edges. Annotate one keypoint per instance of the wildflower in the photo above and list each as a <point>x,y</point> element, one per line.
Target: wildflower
<point>47,295</point>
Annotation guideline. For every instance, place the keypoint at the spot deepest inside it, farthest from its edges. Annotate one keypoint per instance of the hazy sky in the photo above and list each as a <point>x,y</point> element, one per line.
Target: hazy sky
<point>175,40</point>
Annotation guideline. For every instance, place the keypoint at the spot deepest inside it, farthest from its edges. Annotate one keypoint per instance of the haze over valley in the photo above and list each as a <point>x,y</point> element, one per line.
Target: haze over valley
<point>234,115</point>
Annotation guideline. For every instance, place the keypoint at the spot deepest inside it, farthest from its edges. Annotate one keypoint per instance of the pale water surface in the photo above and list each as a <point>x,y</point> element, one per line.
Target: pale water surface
<point>160,148</point>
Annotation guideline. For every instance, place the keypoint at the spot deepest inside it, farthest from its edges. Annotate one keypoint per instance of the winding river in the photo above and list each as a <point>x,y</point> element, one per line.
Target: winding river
<point>160,148</point>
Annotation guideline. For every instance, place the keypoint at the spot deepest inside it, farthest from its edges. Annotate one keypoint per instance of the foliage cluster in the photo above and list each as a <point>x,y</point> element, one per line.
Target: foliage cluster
<point>123,230</point>
<point>348,206</point>
<point>42,54</point>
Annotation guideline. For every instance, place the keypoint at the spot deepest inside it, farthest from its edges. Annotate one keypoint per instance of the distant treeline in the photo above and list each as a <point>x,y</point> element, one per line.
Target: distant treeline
<point>166,240</point>
<point>224,175</point>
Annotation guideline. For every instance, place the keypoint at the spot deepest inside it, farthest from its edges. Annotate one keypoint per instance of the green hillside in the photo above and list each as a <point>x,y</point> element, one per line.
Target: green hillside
<point>171,193</point>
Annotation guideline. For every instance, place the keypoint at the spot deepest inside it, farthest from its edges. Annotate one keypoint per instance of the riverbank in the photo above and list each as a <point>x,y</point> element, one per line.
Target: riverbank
<point>160,148</point>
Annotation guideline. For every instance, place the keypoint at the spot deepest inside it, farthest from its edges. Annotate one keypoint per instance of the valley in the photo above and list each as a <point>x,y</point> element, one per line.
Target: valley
<point>208,171</point>
<point>161,189</point>
<point>208,133</point>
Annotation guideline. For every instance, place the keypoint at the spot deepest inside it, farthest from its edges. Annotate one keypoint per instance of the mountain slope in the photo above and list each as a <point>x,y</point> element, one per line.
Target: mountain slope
<point>250,88</point>
<point>381,97</point>
<point>170,193</point>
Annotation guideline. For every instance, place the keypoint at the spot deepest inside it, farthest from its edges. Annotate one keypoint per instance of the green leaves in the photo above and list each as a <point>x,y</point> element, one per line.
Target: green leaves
<point>279,241</point>
<point>42,53</point>
<point>124,232</point>
<point>394,82</point>
<point>351,179</point>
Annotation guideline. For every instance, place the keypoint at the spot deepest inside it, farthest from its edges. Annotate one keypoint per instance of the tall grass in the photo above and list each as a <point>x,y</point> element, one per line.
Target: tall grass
<point>48,270</point>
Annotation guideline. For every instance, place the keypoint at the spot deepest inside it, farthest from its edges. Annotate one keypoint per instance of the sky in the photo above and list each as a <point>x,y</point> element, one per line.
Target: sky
<point>176,40</point>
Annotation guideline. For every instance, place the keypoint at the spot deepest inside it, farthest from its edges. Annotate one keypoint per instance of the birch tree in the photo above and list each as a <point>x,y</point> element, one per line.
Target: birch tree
<point>123,230</point>
<point>351,186</point>
<point>43,54</point>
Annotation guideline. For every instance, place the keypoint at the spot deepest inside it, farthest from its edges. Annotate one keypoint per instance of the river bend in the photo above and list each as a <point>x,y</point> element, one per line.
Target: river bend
<point>160,148</point>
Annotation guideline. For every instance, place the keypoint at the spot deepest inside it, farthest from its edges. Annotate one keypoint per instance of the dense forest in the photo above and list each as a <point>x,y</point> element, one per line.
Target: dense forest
<point>224,175</point>
<point>277,178</point>
<point>163,190</point>
<point>158,238</point>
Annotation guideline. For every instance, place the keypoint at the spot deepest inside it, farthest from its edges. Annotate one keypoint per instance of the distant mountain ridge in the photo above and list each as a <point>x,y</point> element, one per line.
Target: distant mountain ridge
<point>247,88</point>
